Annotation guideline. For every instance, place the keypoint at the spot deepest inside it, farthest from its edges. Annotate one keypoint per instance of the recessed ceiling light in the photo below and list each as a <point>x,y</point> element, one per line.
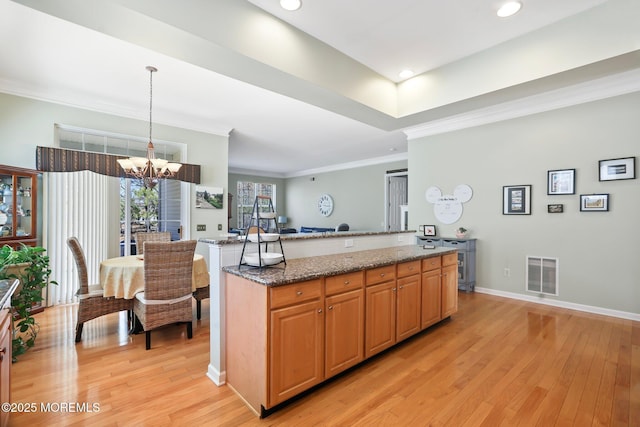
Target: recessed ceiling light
<point>290,4</point>
<point>405,74</point>
<point>509,8</point>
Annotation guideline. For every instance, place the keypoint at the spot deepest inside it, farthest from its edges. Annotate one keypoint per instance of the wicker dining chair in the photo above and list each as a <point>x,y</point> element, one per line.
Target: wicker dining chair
<point>199,294</point>
<point>151,236</point>
<point>91,301</point>
<point>166,299</point>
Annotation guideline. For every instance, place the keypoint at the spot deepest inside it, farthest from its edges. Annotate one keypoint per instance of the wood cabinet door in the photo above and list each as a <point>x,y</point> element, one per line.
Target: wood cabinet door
<point>431,298</point>
<point>449,290</point>
<point>5,363</point>
<point>408,306</point>
<point>380,317</point>
<point>296,351</point>
<point>344,331</point>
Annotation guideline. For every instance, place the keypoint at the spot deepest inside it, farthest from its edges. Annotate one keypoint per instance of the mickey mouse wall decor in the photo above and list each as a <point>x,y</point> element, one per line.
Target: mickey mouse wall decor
<point>448,208</point>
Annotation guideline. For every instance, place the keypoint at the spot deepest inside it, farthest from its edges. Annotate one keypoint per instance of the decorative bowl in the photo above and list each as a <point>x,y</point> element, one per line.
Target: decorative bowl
<point>268,258</point>
<point>264,237</point>
<point>267,215</point>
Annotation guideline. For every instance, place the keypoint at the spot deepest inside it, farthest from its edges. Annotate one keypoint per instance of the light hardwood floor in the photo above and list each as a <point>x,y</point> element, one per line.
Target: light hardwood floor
<point>496,362</point>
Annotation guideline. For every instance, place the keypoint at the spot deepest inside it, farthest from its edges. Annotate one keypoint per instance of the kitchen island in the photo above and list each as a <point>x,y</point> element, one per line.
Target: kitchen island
<point>226,250</point>
<point>291,327</point>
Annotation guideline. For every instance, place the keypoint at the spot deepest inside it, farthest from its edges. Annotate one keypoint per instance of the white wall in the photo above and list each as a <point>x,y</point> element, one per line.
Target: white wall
<point>597,251</point>
<point>358,196</point>
<point>26,123</point>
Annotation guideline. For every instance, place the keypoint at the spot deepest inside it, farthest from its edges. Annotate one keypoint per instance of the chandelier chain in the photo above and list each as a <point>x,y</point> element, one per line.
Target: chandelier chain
<point>150,169</point>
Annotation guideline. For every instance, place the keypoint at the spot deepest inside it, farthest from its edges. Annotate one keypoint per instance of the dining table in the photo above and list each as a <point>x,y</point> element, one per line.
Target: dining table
<point>123,277</point>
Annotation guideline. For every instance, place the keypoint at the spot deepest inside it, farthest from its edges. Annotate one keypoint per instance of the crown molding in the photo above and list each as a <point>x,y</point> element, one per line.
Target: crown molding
<point>594,90</point>
<point>351,165</point>
<point>11,88</point>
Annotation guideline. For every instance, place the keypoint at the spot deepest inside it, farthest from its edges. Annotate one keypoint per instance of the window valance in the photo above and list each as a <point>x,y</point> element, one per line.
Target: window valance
<point>53,159</point>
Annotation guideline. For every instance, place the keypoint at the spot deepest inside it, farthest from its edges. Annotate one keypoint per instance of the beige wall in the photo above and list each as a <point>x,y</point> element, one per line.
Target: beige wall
<point>358,196</point>
<point>597,251</point>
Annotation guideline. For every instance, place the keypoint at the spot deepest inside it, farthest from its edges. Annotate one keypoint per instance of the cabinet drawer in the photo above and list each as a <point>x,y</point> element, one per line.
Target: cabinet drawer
<point>408,268</point>
<point>343,283</point>
<point>429,241</point>
<point>450,259</point>
<point>460,244</point>
<point>295,293</point>
<point>432,263</point>
<point>380,274</point>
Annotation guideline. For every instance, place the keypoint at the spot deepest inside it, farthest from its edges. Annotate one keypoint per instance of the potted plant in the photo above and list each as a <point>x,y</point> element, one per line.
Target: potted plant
<point>30,265</point>
<point>461,232</point>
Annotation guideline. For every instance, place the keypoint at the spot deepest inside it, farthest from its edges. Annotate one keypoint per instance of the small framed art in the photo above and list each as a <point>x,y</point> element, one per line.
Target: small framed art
<point>516,200</point>
<point>561,181</point>
<point>429,230</point>
<point>594,202</point>
<point>615,169</point>
<point>555,208</point>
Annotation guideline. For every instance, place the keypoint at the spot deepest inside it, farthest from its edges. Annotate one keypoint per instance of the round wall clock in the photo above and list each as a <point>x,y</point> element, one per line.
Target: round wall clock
<point>325,205</point>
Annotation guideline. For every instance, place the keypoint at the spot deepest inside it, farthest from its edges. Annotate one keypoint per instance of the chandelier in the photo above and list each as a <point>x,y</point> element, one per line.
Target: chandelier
<point>149,169</point>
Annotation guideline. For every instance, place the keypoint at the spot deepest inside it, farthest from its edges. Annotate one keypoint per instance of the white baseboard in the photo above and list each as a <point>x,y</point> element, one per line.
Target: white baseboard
<point>540,299</point>
<point>219,378</point>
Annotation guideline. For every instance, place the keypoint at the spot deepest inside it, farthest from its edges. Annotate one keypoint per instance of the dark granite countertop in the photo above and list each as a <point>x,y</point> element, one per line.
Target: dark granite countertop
<point>300,269</point>
<point>7,288</point>
<point>302,236</point>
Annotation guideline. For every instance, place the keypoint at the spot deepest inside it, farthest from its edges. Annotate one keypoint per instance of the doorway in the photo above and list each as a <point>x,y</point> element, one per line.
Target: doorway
<point>396,197</point>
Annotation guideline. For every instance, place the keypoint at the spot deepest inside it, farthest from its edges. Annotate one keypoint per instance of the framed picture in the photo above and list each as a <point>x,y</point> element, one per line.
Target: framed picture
<point>594,202</point>
<point>429,230</point>
<point>555,208</point>
<point>614,169</point>
<point>516,200</point>
<point>209,197</point>
<point>561,181</point>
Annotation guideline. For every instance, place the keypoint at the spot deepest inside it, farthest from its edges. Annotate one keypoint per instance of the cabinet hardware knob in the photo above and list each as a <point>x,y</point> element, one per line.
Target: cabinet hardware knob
<point>381,274</point>
<point>2,353</point>
<point>319,310</point>
<point>330,307</point>
<point>393,289</point>
<point>346,282</point>
<point>401,287</point>
<point>299,293</point>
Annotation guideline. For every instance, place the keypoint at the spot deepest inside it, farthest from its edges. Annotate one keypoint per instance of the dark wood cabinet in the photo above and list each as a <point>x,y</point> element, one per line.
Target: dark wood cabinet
<point>18,206</point>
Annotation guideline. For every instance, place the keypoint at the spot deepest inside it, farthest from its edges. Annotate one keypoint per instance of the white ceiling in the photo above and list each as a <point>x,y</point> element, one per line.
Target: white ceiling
<point>49,58</point>
<point>389,36</point>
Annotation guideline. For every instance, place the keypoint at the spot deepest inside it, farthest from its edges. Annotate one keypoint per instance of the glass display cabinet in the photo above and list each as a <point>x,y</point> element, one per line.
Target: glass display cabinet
<point>18,210</point>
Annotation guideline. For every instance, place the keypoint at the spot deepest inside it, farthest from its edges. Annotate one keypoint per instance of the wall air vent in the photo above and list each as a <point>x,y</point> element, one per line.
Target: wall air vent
<point>542,275</point>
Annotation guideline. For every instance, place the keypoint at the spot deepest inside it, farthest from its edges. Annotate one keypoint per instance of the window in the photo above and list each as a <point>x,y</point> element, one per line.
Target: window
<point>148,209</point>
<point>141,209</point>
<point>111,143</point>
<point>246,193</point>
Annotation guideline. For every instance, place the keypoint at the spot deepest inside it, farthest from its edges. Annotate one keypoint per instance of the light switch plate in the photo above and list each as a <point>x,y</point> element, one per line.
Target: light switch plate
<point>201,227</point>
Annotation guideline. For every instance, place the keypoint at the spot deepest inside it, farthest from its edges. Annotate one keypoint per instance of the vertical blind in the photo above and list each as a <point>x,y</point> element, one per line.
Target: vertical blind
<point>75,204</point>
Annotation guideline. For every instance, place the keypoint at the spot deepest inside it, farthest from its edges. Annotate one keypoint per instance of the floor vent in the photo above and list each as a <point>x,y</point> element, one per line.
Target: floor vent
<point>542,275</point>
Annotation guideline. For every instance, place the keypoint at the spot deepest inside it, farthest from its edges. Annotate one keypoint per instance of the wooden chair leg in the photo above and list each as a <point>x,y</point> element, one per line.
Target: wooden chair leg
<point>189,330</point>
<point>147,335</point>
<point>79,331</point>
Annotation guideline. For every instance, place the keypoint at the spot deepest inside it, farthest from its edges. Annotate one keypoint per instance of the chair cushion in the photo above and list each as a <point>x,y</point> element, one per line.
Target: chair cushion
<point>94,291</point>
<point>140,297</point>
